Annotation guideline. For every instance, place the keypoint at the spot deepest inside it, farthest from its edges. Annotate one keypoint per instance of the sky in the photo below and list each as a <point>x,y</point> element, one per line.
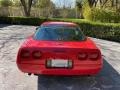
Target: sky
<point>67,3</point>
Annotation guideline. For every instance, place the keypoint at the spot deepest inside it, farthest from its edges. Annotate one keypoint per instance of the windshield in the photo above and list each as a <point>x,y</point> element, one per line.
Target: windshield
<point>59,33</point>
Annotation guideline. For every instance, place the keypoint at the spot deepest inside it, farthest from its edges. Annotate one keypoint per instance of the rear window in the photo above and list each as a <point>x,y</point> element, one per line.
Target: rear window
<point>59,33</point>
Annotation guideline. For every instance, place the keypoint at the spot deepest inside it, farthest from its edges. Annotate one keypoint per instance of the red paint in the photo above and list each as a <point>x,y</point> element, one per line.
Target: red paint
<point>59,23</point>
<point>60,50</point>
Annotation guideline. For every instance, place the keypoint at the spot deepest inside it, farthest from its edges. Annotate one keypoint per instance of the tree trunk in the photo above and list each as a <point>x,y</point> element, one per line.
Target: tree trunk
<point>116,5</point>
<point>27,8</point>
<point>112,3</point>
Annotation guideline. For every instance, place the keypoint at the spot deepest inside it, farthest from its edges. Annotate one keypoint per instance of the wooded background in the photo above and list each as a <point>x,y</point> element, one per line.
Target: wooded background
<point>94,10</point>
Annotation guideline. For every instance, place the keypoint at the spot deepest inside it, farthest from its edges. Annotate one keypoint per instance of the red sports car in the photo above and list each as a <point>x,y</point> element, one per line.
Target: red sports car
<point>59,48</point>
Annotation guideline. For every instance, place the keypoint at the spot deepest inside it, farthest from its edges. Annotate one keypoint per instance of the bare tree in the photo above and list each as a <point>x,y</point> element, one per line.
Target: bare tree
<point>27,6</point>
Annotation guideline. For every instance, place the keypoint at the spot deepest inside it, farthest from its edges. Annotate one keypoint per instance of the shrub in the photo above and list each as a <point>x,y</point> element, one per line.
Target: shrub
<point>22,20</point>
<point>101,15</point>
<point>87,13</point>
<point>108,31</point>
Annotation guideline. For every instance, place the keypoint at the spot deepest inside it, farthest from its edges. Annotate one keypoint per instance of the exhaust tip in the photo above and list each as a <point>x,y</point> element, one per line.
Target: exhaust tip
<point>29,74</point>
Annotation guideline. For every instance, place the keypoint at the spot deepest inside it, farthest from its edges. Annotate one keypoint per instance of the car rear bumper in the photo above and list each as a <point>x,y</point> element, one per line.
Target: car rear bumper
<point>90,69</point>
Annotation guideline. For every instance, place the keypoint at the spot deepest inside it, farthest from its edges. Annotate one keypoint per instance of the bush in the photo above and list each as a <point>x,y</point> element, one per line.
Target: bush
<point>87,12</point>
<point>101,15</point>
<point>22,20</point>
<point>108,31</point>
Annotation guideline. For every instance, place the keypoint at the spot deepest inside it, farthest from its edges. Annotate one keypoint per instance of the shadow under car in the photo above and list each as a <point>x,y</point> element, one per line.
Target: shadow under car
<point>107,79</point>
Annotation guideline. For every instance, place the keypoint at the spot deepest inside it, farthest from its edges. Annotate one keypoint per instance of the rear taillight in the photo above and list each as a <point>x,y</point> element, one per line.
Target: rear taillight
<point>82,56</point>
<point>88,55</point>
<point>94,55</point>
<point>36,54</point>
<point>25,54</point>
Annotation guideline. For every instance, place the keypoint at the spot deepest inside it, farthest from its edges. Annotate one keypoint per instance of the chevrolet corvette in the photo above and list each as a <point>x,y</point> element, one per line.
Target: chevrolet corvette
<point>59,48</point>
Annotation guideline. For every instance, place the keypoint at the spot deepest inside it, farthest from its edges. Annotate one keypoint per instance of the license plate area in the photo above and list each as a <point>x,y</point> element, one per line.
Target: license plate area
<point>59,63</point>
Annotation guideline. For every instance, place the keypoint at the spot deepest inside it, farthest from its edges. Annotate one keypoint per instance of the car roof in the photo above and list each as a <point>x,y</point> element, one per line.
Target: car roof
<point>58,23</point>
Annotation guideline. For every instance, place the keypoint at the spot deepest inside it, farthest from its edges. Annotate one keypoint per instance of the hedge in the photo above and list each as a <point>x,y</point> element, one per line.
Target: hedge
<point>104,15</point>
<point>22,20</point>
<point>108,31</point>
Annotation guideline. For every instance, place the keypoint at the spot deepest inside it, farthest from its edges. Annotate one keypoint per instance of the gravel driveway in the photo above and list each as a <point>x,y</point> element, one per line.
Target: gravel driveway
<point>12,36</point>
